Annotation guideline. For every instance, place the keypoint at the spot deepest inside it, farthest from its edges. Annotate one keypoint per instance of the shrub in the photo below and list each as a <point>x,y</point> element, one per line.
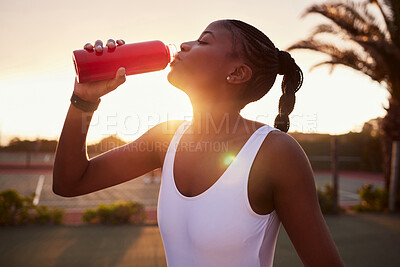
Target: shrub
<point>44,215</point>
<point>372,199</point>
<point>20,210</point>
<point>325,198</point>
<point>14,208</point>
<point>105,213</point>
<point>117,213</point>
<point>89,216</point>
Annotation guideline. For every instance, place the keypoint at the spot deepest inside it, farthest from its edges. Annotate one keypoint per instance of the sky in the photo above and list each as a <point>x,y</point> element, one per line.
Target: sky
<point>37,73</point>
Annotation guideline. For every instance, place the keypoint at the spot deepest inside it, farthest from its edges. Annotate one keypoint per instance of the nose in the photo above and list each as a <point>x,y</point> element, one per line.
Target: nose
<point>185,46</point>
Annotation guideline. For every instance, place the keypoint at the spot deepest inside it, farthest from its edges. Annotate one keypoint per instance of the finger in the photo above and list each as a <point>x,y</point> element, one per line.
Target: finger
<point>98,46</point>
<point>111,44</point>
<point>121,72</point>
<point>88,46</point>
<point>120,78</point>
<point>120,42</point>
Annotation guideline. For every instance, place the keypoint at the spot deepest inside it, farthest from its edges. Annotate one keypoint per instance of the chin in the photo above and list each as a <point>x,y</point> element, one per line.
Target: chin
<point>174,79</point>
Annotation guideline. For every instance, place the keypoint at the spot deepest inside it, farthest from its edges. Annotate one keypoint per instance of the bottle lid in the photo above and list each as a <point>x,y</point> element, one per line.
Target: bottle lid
<point>173,51</point>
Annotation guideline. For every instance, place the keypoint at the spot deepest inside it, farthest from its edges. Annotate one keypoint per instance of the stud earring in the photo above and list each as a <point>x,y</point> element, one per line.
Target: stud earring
<point>228,78</point>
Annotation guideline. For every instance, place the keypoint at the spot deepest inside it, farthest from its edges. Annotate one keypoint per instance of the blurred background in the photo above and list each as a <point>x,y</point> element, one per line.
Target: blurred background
<point>352,97</point>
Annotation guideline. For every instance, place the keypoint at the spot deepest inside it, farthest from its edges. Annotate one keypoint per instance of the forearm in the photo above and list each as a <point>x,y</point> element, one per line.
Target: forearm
<point>71,160</point>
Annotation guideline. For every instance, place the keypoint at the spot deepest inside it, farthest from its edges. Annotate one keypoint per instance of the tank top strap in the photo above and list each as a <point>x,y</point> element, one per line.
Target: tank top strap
<point>170,154</point>
<point>247,154</point>
<point>179,132</point>
<point>255,141</point>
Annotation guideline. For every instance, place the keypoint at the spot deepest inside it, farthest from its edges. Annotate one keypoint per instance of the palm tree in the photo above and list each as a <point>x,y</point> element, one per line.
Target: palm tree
<point>364,36</point>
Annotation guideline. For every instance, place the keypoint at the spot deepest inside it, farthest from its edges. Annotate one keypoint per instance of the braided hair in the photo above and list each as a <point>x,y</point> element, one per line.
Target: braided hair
<point>266,61</point>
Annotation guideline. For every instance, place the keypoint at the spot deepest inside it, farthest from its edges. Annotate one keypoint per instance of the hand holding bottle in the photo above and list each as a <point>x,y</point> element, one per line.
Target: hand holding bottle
<point>92,91</point>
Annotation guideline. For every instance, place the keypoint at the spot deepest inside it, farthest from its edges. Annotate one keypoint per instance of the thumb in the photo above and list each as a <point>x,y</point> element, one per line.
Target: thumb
<point>119,79</point>
<point>120,76</point>
<point>120,72</point>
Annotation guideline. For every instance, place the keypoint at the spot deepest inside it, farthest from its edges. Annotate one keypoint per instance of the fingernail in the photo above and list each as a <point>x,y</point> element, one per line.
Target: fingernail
<point>122,73</point>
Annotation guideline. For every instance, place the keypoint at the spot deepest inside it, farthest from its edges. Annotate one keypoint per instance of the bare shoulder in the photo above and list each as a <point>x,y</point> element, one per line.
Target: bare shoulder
<point>284,158</point>
<point>165,130</point>
<point>283,146</point>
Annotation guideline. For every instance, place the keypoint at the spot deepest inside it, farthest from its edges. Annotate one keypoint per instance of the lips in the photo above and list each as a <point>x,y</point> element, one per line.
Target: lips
<point>176,59</point>
<point>178,56</point>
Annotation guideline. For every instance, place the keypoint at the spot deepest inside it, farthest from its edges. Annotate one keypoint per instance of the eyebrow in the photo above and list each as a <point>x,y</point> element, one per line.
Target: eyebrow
<point>210,32</point>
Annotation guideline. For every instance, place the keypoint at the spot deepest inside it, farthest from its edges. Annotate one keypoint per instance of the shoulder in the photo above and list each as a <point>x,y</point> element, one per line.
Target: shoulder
<point>156,140</point>
<point>165,129</point>
<point>281,143</point>
<point>276,143</point>
<point>284,159</point>
<point>160,136</point>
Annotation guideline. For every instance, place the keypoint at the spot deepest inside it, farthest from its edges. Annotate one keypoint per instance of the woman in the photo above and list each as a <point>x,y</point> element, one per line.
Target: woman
<point>213,210</point>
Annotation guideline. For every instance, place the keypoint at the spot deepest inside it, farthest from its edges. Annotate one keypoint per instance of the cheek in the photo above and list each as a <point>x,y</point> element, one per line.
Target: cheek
<point>205,70</point>
<point>197,70</point>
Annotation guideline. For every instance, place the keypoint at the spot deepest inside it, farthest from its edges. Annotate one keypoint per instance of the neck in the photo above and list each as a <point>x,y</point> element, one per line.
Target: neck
<point>213,119</point>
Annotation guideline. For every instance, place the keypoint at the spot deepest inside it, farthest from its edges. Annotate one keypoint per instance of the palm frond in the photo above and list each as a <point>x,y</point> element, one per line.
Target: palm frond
<point>379,48</point>
<point>326,28</point>
<point>388,11</point>
<point>370,45</point>
<point>350,17</point>
<point>375,67</point>
<point>358,65</point>
<point>317,46</point>
<point>330,63</point>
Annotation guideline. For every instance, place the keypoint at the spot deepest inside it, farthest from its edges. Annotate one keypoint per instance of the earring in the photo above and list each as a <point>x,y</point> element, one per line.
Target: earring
<point>228,78</point>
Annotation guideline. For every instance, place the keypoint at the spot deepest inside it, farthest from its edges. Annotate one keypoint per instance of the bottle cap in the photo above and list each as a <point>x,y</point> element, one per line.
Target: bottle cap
<point>173,51</point>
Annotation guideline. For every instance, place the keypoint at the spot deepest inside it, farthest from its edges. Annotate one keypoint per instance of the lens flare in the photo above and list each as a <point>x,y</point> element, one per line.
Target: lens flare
<point>228,159</point>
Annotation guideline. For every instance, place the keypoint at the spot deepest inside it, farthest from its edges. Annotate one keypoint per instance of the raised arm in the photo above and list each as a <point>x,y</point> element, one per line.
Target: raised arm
<point>296,202</point>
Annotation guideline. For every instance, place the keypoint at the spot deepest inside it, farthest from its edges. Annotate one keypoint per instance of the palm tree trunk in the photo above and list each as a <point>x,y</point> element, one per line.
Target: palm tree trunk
<point>390,132</point>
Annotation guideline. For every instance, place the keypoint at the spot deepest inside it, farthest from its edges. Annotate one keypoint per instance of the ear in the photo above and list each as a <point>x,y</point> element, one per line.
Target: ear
<point>240,74</point>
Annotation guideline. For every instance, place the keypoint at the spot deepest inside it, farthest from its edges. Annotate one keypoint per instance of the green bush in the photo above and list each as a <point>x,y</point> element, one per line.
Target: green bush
<point>14,208</point>
<point>20,210</point>
<point>89,216</point>
<point>325,198</point>
<point>372,199</point>
<point>44,215</point>
<point>117,213</point>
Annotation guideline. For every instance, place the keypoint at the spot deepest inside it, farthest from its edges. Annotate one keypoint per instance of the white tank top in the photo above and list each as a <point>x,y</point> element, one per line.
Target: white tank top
<point>217,227</point>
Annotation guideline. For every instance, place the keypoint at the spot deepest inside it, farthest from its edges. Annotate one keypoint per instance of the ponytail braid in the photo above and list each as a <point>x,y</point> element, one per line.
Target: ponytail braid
<point>292,81</point>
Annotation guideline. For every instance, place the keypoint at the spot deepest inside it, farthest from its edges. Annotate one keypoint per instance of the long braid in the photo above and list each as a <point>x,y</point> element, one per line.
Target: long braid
<point>266,62</point>
<point>291,83</point>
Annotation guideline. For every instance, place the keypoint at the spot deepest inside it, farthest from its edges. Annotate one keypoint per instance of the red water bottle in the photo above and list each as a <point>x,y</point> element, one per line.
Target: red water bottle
<point>135,58</point>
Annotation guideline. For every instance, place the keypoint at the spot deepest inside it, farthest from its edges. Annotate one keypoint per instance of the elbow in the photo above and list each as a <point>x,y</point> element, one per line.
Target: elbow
<point>60,189</point>
<point>62,192</point>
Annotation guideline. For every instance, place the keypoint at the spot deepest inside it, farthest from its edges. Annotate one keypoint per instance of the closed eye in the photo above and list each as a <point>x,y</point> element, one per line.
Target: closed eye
<point>201,42</point>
